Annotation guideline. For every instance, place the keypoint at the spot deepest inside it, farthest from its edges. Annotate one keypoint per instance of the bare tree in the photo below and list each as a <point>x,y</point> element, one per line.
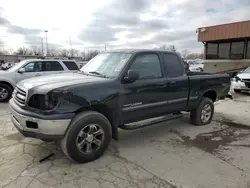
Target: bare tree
<point>163,47</point>
<point>185,53</point>
<point>172,48</point>
<point>195,56</point>
<point>90,54</point>
<point>83,54</point>
<point>35,50</point>
<point>11,51</point>
<point>3,52</point>
<point>64,53</point>
<point>23,51</point>
<point>54,53</point>
<point>74,52</point>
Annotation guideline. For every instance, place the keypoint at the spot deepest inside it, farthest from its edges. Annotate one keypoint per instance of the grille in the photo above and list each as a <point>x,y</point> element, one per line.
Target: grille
<point>247,84</point>
<point>20,95</point>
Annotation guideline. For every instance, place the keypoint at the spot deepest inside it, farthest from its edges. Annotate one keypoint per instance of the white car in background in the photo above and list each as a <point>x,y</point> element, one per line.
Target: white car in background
<point>7,65</point>
<point>195,66</point>
<point>241,82</point>
<point>31,68</point>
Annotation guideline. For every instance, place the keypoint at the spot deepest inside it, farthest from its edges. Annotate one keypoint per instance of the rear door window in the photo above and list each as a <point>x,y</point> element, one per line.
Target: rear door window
<point>71,65</point>
<point>52,66</point>
<point>173,65</point>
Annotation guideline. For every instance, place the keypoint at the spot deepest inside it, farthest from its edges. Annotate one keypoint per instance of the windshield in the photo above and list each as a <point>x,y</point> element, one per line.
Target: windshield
<point>106,64</point>
<point>16,66</point>
<point>247,70</point>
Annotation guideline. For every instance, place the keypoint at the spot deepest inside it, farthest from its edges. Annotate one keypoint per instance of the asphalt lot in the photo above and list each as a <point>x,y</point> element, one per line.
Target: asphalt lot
<point>170,154</point>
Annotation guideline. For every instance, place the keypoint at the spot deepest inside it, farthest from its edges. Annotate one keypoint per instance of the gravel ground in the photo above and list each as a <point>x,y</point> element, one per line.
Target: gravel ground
<point>170,154</point>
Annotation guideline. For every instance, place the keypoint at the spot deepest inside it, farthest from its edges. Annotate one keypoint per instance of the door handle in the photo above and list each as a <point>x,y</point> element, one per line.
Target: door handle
<point>172,83</point>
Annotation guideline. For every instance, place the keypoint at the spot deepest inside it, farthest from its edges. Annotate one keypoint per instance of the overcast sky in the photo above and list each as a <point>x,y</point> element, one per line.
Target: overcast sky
<point>116,23</point>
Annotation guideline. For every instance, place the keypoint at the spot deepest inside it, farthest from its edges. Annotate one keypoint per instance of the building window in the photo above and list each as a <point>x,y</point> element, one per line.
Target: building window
<point>224,50</point>
<point>212,50</point>
<point>237,50</point>
<point>248,50</point>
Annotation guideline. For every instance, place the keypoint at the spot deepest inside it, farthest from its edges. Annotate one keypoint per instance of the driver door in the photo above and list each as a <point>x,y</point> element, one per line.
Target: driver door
<point>146,97</point>
<point>32,69</point>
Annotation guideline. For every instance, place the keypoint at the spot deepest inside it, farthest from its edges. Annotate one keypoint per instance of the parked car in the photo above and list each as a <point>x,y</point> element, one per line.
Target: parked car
<point>7,65</point>
<point>31,68</point>
<point>85,109</point>
<point>241,82</point>
<point>195,66</point>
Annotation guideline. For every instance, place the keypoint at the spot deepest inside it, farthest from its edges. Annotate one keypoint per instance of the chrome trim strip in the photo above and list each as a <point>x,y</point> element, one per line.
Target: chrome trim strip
<point>193,98</point>
<point>144,106</point>
<point>154,104</point>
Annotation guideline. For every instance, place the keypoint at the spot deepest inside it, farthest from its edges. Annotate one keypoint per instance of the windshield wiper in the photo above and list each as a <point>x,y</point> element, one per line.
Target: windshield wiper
<point>98,73</point>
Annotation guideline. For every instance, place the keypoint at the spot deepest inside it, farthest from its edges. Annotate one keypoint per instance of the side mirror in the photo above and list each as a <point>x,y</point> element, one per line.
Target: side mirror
<point>21,70</point>
<point>132,76</point>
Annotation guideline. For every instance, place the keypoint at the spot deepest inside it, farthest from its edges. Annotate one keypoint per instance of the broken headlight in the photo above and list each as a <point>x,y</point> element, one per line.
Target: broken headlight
<point>50,101</point>
<point>43,102</point>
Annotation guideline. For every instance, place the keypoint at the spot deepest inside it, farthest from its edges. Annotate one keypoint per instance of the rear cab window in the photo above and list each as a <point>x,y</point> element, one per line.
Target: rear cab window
<point>71,65</point>
<point>172,65</point>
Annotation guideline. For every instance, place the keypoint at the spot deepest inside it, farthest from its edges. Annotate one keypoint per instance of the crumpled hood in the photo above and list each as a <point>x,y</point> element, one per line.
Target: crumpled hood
<point>47,83</point>
<point>244,75</point>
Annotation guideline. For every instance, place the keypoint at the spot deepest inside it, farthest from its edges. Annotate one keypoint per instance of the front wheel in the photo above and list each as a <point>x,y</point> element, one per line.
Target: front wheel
<point>5,92</point>
<point>203,114</point>
<point>87,138</point>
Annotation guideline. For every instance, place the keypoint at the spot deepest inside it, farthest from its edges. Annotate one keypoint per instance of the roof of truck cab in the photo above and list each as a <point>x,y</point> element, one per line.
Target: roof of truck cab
<point>138,50</point>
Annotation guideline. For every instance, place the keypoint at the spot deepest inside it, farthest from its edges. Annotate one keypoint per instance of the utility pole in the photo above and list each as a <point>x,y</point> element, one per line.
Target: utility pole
<point>71,50</point>
<point>47,48</point>
<point>42,47</point>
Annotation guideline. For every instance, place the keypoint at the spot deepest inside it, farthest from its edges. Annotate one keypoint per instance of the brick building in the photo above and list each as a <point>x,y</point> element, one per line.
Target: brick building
<point>226,46</point>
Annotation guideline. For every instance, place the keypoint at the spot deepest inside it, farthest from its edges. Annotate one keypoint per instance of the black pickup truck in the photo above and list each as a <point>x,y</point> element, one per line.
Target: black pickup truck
<point>116,89</point>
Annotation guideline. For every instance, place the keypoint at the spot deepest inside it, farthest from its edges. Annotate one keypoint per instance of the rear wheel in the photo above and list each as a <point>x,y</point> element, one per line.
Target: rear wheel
<point>237,90</point>
<point>5,92</point>
<point>87,138</point>
<point>203,114</point>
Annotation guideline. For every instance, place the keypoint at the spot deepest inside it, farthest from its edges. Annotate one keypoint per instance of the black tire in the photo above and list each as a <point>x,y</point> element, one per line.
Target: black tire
<point>9,92</point>
<point>237,90</point>
<point>196,115</point>
<point>80,121</point>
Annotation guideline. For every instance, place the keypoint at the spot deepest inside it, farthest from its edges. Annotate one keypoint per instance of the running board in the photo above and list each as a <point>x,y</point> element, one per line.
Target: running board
<point>148,122</point>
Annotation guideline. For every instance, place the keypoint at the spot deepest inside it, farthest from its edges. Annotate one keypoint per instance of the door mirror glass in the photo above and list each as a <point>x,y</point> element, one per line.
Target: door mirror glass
<point>21,70</point>
<point>132,76</point>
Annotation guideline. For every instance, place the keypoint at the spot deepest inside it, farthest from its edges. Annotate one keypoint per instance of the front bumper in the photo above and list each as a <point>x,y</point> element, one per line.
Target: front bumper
<point>37,126</point>
<point>240,85</point>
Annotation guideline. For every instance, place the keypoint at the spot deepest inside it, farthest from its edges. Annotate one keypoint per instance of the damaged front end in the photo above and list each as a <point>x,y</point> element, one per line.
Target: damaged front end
<point>43,102</point>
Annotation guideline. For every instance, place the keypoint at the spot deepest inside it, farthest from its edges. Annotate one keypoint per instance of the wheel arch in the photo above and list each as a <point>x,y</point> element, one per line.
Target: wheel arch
<point>211,94</point>
<point>7,83</point>
<point>107,112</point>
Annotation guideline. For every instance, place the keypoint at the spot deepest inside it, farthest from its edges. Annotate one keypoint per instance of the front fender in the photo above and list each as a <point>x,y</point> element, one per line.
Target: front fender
<point>70,102</point>
<point>9,81</point>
